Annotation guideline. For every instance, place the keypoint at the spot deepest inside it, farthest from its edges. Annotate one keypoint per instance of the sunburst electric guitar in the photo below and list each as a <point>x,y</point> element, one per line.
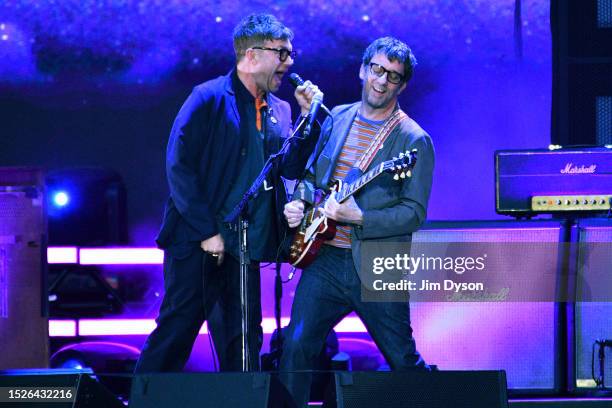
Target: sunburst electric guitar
<point>316,228</point>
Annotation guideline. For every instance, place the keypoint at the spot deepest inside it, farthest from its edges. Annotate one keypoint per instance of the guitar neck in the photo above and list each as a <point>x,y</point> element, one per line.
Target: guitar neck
<point>350,189</point>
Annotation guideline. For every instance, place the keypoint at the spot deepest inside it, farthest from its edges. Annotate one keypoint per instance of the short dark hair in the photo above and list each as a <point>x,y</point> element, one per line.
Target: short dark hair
<point>395,50</point>
<point>257,28</point>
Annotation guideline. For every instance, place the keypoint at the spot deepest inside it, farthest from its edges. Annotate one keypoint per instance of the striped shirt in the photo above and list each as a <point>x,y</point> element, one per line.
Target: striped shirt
<point>361,135</point>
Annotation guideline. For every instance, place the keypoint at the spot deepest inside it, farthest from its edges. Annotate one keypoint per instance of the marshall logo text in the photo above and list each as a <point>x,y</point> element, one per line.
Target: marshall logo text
<point>571,168</point>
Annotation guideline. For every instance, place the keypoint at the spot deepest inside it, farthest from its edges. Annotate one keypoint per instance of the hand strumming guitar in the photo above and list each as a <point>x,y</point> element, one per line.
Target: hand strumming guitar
<point>348,212</point>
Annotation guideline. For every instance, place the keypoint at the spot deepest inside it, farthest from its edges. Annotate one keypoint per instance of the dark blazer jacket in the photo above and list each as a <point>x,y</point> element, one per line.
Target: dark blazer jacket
<point>391,210</point>
<point>204,149</point>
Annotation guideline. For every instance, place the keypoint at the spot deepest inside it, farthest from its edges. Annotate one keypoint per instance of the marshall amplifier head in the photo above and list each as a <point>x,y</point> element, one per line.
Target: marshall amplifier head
<point>529,182</point>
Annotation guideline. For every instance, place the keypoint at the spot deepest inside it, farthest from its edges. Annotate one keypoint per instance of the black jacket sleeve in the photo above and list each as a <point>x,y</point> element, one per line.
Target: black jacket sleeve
<point>189,132</point>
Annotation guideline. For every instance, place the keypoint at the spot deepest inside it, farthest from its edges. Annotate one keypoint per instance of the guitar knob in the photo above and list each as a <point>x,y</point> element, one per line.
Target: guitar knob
<point>409,173</point>
<point>396,177</point>
<point>403,174</point>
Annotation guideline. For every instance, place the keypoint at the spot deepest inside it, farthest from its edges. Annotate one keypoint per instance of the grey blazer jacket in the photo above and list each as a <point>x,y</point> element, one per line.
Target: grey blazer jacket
<point>392,210</point>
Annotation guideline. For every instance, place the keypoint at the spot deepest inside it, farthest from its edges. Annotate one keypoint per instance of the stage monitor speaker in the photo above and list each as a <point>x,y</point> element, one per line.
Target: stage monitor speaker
<point>457,389</point>
<point>24,327</point>
<point>79,390</point>
<point>195,390</point>
<point>592,319</point>
<point>521,338</point>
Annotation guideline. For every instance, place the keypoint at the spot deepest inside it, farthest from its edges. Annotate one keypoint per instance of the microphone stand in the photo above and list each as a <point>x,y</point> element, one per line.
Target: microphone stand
<point>278,295</point>
<point>240,213</point>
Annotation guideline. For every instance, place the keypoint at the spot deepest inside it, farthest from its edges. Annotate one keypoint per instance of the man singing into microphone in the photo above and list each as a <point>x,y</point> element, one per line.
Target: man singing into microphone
<point>383,210</point>
<point>221,137</point>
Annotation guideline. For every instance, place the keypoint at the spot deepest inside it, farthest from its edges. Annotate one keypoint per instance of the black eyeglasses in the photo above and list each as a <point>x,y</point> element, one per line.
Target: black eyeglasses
<point>283,53</point>
<point>392,76</point>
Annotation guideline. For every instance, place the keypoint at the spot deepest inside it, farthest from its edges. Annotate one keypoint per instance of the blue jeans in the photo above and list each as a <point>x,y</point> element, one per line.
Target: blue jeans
<point>329,290</point>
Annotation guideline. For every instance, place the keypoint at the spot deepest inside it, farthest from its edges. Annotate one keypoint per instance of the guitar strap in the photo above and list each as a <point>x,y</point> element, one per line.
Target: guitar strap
<point>377,143</point>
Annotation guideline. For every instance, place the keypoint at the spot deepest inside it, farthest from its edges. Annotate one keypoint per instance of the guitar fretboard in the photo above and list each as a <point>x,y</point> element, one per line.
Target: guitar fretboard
<point>349,189</point>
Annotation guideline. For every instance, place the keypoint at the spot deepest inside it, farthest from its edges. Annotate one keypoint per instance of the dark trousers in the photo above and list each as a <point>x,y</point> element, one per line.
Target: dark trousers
<point>196,289</point>
<point>329,290</point>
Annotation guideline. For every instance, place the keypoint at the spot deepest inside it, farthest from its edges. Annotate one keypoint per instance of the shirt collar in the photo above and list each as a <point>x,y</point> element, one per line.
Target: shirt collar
<point>242,93</point>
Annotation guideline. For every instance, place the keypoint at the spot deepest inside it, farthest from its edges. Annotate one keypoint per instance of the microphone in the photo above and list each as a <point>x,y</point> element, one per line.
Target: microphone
<point>315,104</point>
<point>297,80</point>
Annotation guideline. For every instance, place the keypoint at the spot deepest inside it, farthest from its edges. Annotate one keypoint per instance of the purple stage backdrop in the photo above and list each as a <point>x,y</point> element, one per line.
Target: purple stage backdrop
<point>96,83</point>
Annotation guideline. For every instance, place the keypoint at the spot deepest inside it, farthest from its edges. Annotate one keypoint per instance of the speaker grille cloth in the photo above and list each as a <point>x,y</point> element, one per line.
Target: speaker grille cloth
<point>604,120</point>
<point>593,319</point>
<point>604,13</point>
<point>511,336</point>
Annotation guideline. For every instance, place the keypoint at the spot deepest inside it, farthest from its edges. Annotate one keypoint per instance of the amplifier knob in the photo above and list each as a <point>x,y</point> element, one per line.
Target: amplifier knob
<point>559,202</point>
<point>603,201</point>
<point>585,202</point>
<point>567,202</point>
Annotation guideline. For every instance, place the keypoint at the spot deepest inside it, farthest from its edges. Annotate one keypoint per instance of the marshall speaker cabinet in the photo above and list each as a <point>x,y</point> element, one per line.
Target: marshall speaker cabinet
<point>591,336</point>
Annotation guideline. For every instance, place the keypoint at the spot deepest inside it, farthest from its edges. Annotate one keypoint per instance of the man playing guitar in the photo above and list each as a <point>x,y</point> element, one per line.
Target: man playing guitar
<point>357,138</point>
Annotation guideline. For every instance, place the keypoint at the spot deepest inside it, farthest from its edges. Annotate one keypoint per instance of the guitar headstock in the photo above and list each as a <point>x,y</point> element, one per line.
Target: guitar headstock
<point>402,165</point>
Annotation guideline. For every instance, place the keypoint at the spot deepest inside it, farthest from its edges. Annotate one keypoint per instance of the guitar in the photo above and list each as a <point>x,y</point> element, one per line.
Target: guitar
<point>316,228</point>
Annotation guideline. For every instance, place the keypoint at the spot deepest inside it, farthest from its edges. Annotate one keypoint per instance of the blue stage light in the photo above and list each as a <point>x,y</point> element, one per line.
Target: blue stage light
<point>61,199</point>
